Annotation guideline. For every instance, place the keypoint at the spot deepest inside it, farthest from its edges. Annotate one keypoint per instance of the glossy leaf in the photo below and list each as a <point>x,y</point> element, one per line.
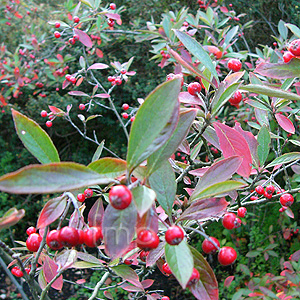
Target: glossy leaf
<point>285,123</point>
<point>109,167</point>
<point>128,274</point>
<point>155,254</point>
<point>50,269</point>
<point>197,50</point>
<point>157,159</point>
<point>203,210</point>
<point>163,182</point>
<point>207,287</point>
<point>118,229</point>
<point>98,151</point>
<point>84,38</point>
<point>284,159</point>
<point>53,209</point>
<point>180,261</point>
<point>35,139</point>
<point>98,66</point>
<point>11,217</point>
<point>102,95</point>
<point>50,178</point>
<point>294,29</point>
<point>149,132</point>
<point>211,136</point>
<point>66,258</point>
<point>264,140</point>
<point>144,198</point>
<point>233,143</point>
<point>96,214</point>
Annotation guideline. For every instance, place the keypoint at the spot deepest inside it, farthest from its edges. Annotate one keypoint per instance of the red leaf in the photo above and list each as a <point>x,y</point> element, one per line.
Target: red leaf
<point>18,15</point>
<point>84,38</point>
<point>102,95</point>
<point>80,281</point>
<point>285,123</point>
<point>99,53</point>
<point>233,143</point>
<point>296,255</point>
<point>98,66</point>
<point>60,58</point>
<point>147,283</point>
<point>148,220</point>
<point>50,271</point>
<point>130,288</point>
<point>224,9</point>
<point>77,93</point>
<point>228,281</point>
<point>155,254</point>
<point>96,213</point>
<point>55,110</point>
<point>79,81</point>
<point>113,16</point>
<point>185,97</point>
<point>51,211</point>
<point>65,84</point>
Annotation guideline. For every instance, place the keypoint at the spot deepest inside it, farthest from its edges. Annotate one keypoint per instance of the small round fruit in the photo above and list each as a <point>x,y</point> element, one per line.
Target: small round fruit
<point>57,34</point>
<point>17,272</point>
<point>270,189</point>
<point>229,221</point>
<point>76,19</point>
<point>237,223</point>
<point>268,196</point>
<point>30,230</point>
<point>81,237</point>
<point>208,247</point>
<point>227,256</point>
<point>88,193</point>
<point>125,115</point>
<point>143,255</point>
<point>120,196</point>
<point>287,56</point>
<point>33,242</point>
<point>76,37</point>
<point>259,190</point>
<point>194,278</point>
<point>125,106</point>
<point>234,64</point>
<point>147,239</point>
<point>194,88</point>
<point>242,211</point>
<point>93,237</point>
<point>294,47</point>
<point>80,197</point>
<point>165,298</point>
<point>286,200</point>
<point>81,106</point>
<point>68,236</point>
<point>112,6</point>
<point>236,98</point>
<point>166,268</point>
<point>44,114</point>
<point>49,124</point>
<point>174,235</point>
<point>53,241</point>
<point>57,25</point>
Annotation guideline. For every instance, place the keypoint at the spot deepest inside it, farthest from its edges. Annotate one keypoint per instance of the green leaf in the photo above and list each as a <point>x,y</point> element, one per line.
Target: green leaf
<point>284,159</point>
<point>197,50</point>
<point>143,198</point>
<point>282,29</point>
<point>264,140</point>
<point>35,139</point>
<point>109,167</point>
<point>149,132</point>
<point>180,261</point>
<point>253,253</point>
<point>163,182</point>
<point>294,29</point>
<point>218,189</point>
<point>50,178</point>
<point>98,152</point>
<point>186,119</point>
<point>11,217</point>
<point>128,274</point>
<point>269,91</point>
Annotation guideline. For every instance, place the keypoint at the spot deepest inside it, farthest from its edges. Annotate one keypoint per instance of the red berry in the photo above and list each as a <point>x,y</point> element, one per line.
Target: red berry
<point>112,6</point>
<point>270,189</point>
<point>57,25</point>
<point>73,79</point>
<point>28,270</point>
<point>81,106</point>
<point>194,278</point>
<point>93,237</point>
<point>237,223</point>
<point>236,98</point>
<point>132,119</point>
<point>147,239</point>
<point>128,261</point>
<point>294,47</point>
<point>234,64</point>
<point>125,106</point>
<point>229,221</point>
<point>227,256</point>
<point>30,230</point>
<point>44,114</point>
<point>81,237</point>
<point>68,77</point>
<point>194,88</point>
<point>242,211</point>
<point>286,200</point>
<point>53,240</point>
<point>110,22</point>
<point>120,196</point>
<point>165,298</point>
<point>76,19</point>
<point>166,269</point>
<point>123,71</point>
<point>267,195</point>
<point>68,236</point>
<point>72,41</point>
<point>76,37</point>
<point>88,193</point>
<point>125,115</point>
<point>174,235</point>
<point>208,247</point>
<point>118,81</point>
<point>111,78</point>
<point>33,242</point>
<point>57,34</point>
<point>17,272</point>
<point>287,56</point>
<point>143,255</point>
<point>81,197</point>
<point>259,190</point>
<point>49,124</point>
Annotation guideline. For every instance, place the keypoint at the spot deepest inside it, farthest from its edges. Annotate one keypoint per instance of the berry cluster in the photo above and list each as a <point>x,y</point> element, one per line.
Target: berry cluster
<point>293,51</point>
<point>88,193</point>
<point>231,221</point>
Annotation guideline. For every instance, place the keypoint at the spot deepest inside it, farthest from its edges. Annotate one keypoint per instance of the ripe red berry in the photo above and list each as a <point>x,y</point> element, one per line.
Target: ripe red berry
<point>259,190</point>
<point>53,240</point>
<point>88,193</point>
<point>57,34</point>
<point>165,298</point>
<point>111,78</point>
<point>194,88</point>
<point>93,237</point>
<point>81,106</point>
<point>242,211</point>
<point>17,272</point>
<point>120,196</point>
<point>166,268</point>
<point>234,64</point>
<point>33,242</point>
<point>72,41</point>
<point>229,221</point>
<point>125,106</point>
<point>123,71</point>
<point>49,124</point>
<point>286,200</point>
<point>236,98</point>
<point>125,115</point>
<point>174,235</point>
<point>268,196</point>
<point>73,79</point>
<point>76,19</point>
<point>81,237</point>
<point>194,278</point>
<point>118,81</point>
<point>147,239</point>
<point>287,56</point>
<point>132,119</point>
<point>237,223</point>
<point>227,256</point>
<point>270,189</point>
<point>57,25</point>
<point>143,255</point>
<point>208,247</point>
<point>28,270</point>
<point>68,236</point>
<point>112,6</point>
<point>44,114</point>
<point>30,230</point>
<point>294,47</point>
<point>76,37</point>
<point>81,197</point>
<point>110,22</point>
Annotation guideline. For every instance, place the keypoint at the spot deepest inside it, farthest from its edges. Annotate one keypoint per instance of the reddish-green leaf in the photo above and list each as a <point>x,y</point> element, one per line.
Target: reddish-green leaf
<point>144,198</point>
<point>35,139</point>
<point>50,269</point>
<point>66,258</point>
<point>149,132</point>
<point>109,167</point>
<point>78,93</point>
<point>263,148</point>
<point>228,281</point>
<point>51,211</point>
<point>285,123</point>
<point>128,274</point>
<point>51,178</point>
<point>84,38</point>
<point>155,254</point>
<point>89,258</point>
<point>118,229</point>
<point>207,287</point>
<point>180,261</point>
<point>98,66</point>
<point>96,213</point>
<point>284,159</point>
<point>11,217</point>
